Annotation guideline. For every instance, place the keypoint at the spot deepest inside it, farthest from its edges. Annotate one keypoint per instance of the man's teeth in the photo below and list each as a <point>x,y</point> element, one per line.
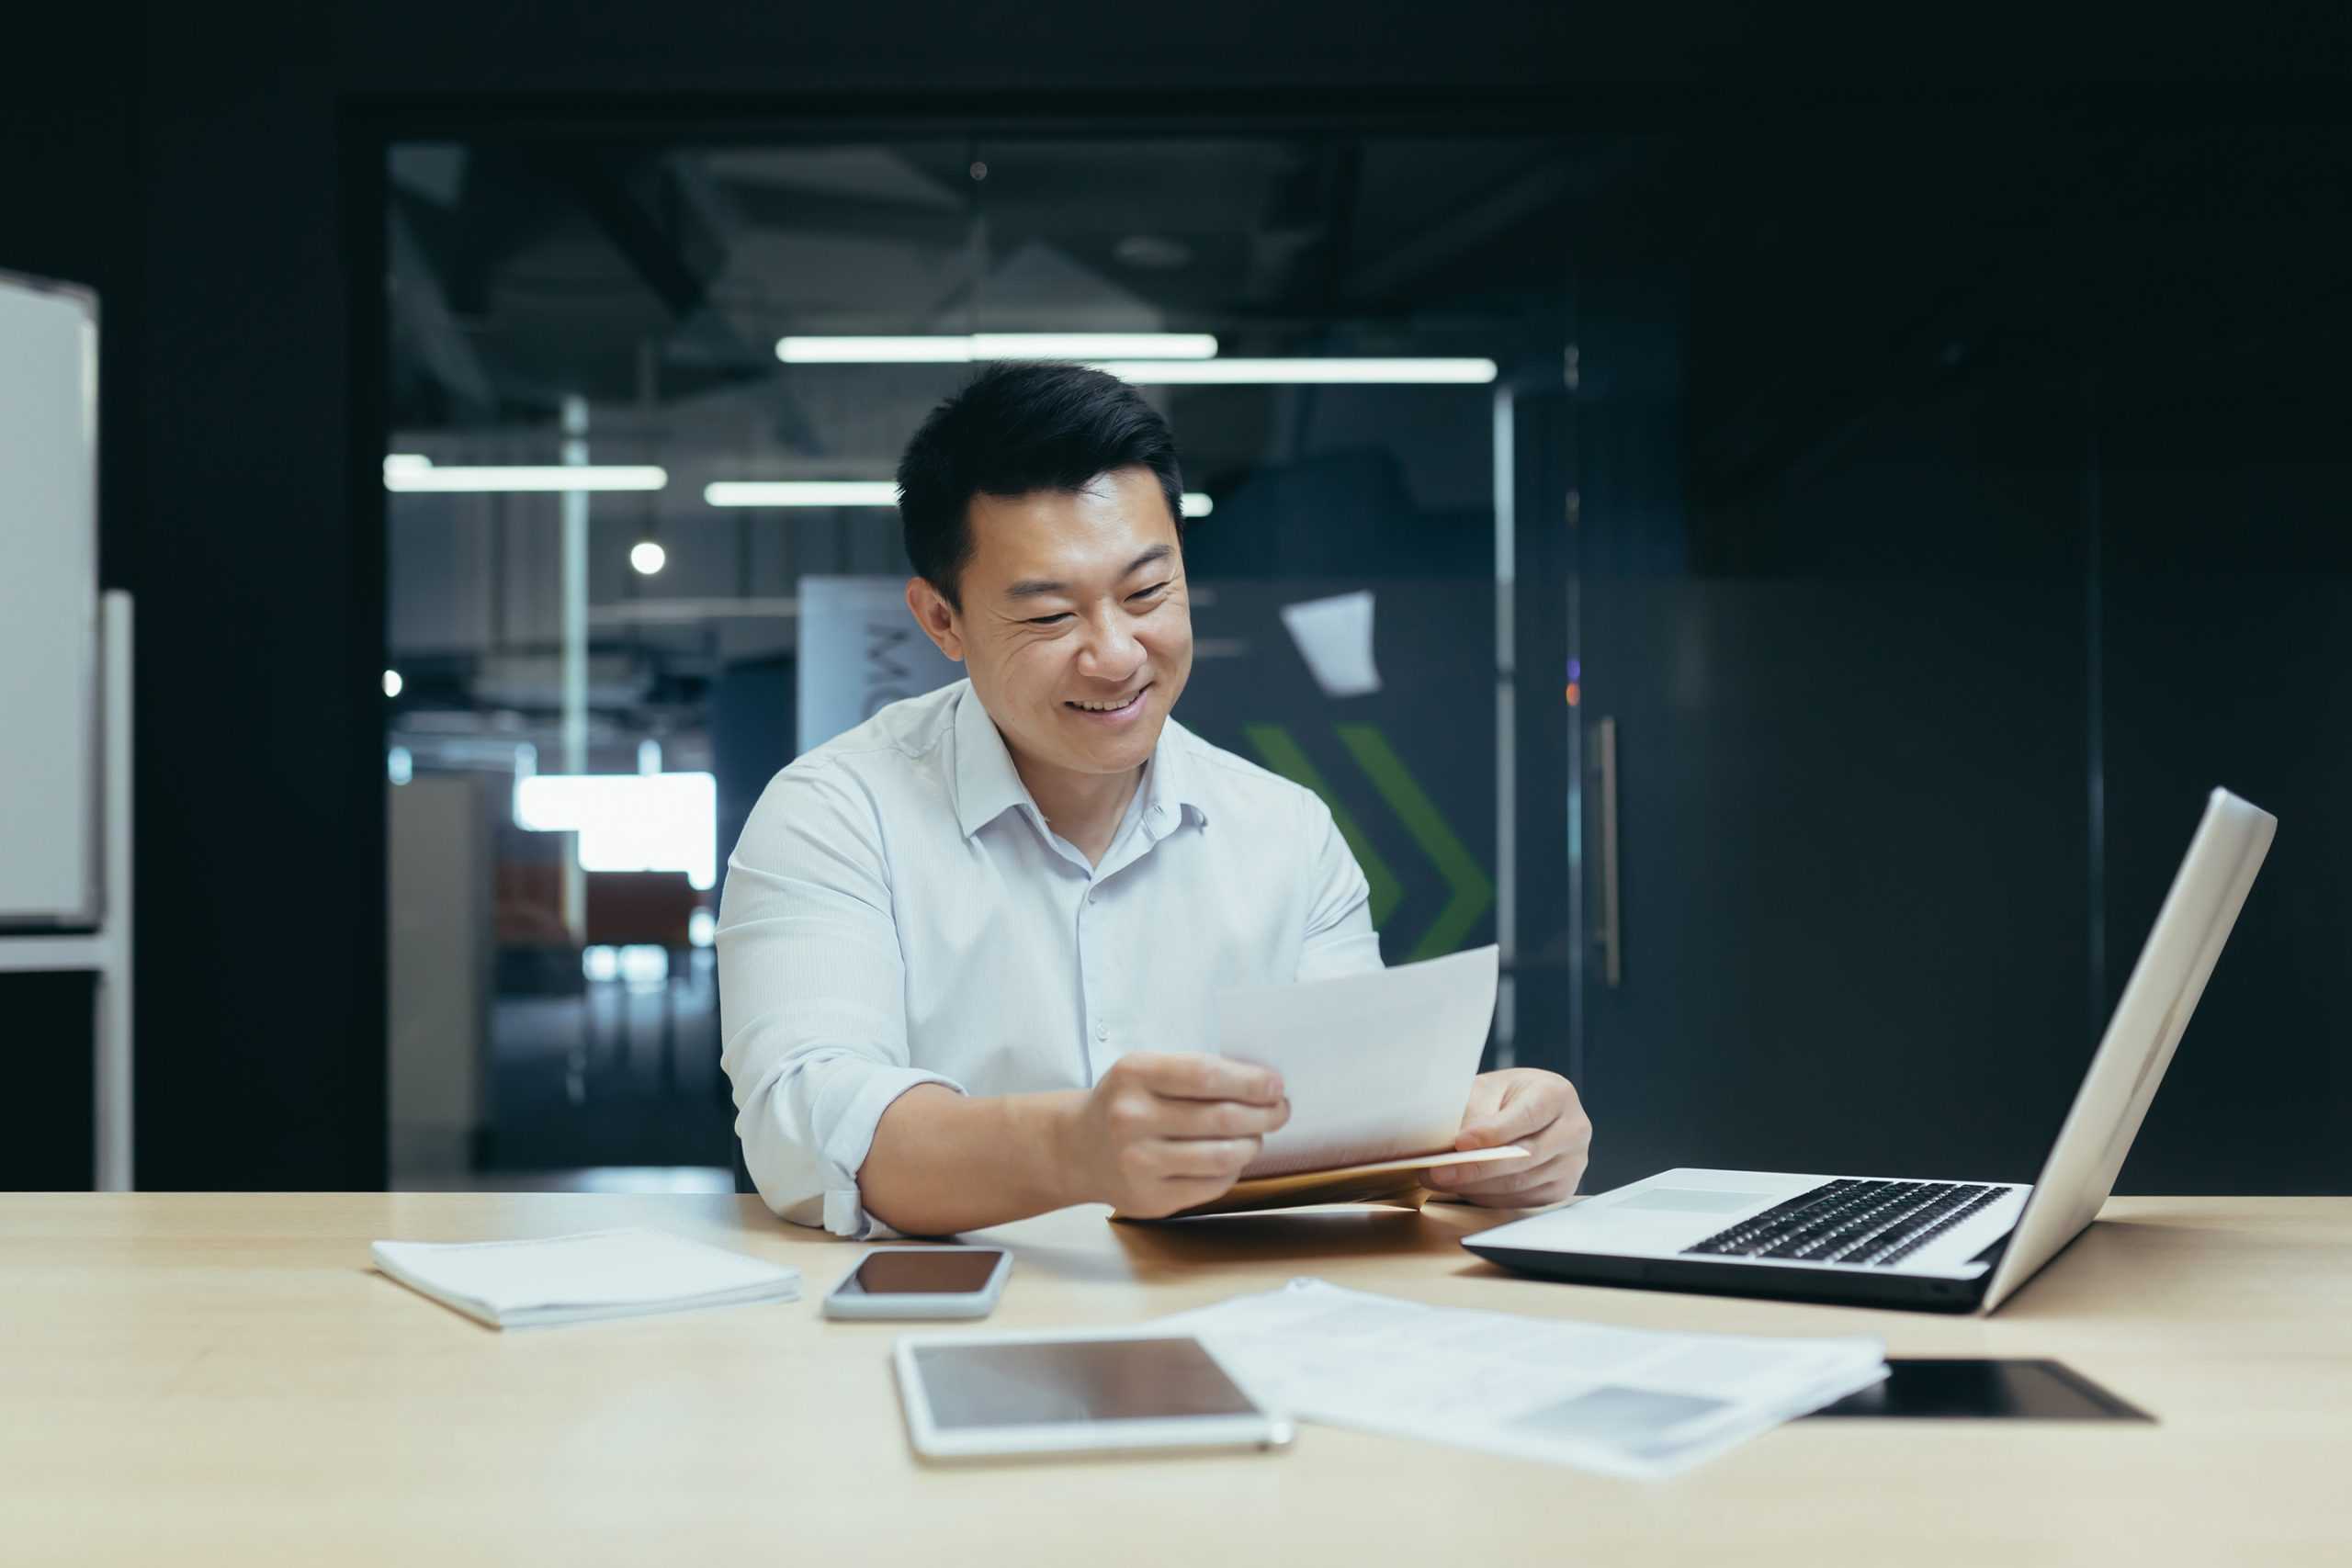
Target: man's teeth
<point>1105,707</point>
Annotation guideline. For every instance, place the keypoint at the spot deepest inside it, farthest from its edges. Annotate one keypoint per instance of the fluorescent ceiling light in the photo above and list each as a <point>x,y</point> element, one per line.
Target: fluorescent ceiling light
<point>802,492</point>
<point>847,493</point>
<point>405,462</point>
<point>583,476</point>
<point>1094,346</point>
<point>949,348</point>
<point>1300,372</point>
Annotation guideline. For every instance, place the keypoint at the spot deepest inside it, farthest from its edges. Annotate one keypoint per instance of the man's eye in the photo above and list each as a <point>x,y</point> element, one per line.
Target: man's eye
<point>1147,592</point>
<point>1048,620</point>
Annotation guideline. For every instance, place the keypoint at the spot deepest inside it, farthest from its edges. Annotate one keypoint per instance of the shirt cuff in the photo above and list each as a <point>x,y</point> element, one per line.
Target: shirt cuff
<point>852,1139</point>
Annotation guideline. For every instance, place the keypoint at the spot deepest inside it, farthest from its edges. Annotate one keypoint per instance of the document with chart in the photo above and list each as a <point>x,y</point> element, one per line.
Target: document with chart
<point>1619,1401</point>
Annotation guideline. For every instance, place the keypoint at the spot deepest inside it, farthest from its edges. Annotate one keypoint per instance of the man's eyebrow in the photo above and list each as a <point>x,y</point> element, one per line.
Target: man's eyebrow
<point>1157,553</point>
<point>1038,587</point>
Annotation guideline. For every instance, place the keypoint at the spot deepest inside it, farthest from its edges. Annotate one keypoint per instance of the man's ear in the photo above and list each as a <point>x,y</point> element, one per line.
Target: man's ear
<point>936,616</point>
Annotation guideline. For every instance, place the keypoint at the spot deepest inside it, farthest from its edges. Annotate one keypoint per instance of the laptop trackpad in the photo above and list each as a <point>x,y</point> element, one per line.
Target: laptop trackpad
<point>1690,1201</point>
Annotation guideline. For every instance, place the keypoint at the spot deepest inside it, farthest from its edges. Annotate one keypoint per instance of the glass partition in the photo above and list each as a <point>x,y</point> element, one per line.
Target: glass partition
<point>645,403</point>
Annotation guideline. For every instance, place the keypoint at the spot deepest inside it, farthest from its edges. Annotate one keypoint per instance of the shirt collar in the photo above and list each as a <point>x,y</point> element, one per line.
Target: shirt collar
<point>987,786</point>
<point>986,783</point>
<point>1171,785</point>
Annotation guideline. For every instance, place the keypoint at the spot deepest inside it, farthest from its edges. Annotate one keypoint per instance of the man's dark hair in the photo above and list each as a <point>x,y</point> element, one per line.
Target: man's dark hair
<point>1018,428</point>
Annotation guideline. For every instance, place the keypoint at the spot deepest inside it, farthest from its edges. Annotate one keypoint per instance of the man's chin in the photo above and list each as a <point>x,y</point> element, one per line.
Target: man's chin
<point>1130,747</point>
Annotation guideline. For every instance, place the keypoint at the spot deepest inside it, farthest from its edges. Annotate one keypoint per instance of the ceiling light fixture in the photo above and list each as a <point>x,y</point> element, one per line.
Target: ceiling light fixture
<point>1301,372</point>
<point>849,492</point>
<point>801,492</point>
<point>648,556</point>
<point>568,477</point>
<point>965,348</point>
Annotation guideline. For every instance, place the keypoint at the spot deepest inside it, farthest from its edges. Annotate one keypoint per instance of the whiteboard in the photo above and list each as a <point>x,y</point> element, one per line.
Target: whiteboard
<point>49,605</point>
<point>860,651</point>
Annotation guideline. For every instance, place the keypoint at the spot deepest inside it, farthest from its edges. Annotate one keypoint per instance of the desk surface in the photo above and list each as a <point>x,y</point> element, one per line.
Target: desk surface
<point>222,1379</point>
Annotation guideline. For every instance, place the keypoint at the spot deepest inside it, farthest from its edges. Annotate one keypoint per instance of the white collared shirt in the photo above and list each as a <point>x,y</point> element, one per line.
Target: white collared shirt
<point>898,912</point>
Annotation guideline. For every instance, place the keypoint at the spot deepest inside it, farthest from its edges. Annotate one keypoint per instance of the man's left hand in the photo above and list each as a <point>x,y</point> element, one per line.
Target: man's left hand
<point>1539,1112</point>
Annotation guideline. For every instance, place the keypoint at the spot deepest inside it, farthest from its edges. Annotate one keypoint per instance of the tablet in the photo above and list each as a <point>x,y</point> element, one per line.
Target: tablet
<point>973,1396</point>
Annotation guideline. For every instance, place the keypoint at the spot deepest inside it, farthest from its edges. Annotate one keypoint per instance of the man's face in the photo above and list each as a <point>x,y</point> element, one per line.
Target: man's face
<point>1075,625</point>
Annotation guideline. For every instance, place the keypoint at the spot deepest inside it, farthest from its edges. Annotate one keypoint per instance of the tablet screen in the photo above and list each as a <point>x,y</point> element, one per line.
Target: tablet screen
<point>1051,1382</point>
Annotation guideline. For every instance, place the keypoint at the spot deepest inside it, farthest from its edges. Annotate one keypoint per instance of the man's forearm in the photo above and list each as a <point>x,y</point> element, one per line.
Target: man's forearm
<point>943,1162</point>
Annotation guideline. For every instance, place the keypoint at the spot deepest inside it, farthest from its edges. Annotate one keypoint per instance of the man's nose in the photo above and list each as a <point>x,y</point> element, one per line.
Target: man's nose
<point>1110,650</point>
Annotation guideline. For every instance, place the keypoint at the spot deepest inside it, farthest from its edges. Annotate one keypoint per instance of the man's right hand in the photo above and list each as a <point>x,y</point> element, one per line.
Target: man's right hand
<point>1160,1132</point>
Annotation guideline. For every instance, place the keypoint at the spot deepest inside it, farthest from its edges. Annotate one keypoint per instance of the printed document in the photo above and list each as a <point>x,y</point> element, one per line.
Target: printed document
<point>1619,1401</point>
<point>1377,1065</point>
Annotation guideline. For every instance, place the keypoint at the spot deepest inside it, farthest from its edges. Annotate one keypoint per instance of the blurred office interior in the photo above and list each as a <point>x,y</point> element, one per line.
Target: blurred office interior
<point>1900,483</point>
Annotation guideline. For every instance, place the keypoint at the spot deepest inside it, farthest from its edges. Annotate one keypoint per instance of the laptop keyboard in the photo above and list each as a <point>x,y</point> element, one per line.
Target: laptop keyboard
<point>1850,1222</point>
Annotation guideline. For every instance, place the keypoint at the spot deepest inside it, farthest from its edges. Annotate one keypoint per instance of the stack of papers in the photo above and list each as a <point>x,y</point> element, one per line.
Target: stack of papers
<point>1620,1401</point>
<point>577,1278</point>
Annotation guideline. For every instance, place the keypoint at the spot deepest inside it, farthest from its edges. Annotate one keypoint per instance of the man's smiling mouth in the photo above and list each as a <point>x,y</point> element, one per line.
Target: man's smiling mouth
<point>1114,705</point>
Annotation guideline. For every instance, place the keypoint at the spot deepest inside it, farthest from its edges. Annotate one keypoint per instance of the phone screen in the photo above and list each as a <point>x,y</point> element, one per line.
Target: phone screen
<point>913,1273</point>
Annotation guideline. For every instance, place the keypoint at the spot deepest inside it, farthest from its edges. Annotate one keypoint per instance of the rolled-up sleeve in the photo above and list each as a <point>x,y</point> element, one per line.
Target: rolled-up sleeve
<point>812,996</point>
<point>1340,937</point>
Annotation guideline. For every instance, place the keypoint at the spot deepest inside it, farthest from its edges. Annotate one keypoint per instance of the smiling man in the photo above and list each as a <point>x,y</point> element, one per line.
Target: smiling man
<point>968,950</point>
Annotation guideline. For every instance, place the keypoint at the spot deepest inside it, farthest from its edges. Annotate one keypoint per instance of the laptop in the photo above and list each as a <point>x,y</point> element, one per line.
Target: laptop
<point>1902,1241</point>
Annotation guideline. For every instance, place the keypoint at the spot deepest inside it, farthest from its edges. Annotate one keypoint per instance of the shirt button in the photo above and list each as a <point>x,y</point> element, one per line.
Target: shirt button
<point>1102,1030</point>
<point>1090,897</point>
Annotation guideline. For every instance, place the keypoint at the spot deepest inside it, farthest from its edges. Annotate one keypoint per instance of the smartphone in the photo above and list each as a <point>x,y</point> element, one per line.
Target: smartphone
<point>922,1281</point>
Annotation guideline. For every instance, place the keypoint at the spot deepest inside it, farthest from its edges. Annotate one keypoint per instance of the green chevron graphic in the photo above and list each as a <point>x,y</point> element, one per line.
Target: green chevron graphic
<point>1284,756</point>
<point>1472,892</point>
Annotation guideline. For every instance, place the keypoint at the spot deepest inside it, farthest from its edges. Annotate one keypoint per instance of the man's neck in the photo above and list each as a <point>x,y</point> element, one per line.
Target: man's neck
<point>1085,808</point>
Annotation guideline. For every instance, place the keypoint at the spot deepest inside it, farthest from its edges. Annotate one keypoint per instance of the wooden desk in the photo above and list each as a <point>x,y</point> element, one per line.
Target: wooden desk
<point>195,1379</point>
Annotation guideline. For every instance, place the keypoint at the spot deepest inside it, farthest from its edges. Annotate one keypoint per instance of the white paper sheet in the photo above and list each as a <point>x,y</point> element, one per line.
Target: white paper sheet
<point>1377,1065</point>
<point>1623,1401</point>
<point>1334,636</point>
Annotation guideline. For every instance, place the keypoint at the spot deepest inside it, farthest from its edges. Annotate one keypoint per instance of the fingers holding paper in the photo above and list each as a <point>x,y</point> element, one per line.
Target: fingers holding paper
<point>1541,1114</point>
<point>1160,1132</point>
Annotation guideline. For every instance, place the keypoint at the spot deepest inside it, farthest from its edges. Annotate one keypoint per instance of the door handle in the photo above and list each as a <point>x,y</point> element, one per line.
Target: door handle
<point>1610,932</point>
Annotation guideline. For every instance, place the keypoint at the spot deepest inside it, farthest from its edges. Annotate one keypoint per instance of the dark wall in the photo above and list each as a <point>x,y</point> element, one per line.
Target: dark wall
<point>69,152</point>
<point>209,168</point>
<point>2228,617</point>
